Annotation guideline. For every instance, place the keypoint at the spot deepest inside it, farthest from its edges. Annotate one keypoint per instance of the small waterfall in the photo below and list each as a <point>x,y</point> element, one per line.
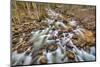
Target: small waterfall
<point>51,36</point>
<point>28,59</point>
<point>79,31</point>
<point>73,23</point>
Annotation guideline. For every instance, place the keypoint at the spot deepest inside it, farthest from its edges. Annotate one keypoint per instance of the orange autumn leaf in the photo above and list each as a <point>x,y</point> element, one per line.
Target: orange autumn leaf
<point>89,36</point>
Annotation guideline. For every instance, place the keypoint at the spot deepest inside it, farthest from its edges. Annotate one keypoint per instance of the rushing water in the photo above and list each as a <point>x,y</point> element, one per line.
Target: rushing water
<point>52,36</point>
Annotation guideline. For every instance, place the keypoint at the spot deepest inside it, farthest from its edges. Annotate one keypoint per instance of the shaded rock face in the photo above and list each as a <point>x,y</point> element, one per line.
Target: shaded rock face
<point>52,33</point>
